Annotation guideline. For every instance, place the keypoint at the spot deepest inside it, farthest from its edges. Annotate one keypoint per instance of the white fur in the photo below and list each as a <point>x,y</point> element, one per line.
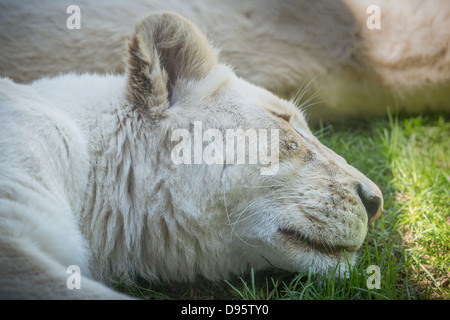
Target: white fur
<point>279,45</point>
<point>86,179</point>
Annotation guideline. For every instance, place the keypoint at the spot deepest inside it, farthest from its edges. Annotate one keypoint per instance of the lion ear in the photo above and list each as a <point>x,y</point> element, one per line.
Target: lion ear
<point>164,49</point>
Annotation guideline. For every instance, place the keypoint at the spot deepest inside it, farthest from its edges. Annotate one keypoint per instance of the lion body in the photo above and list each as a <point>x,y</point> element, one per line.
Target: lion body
<point>284,46</point>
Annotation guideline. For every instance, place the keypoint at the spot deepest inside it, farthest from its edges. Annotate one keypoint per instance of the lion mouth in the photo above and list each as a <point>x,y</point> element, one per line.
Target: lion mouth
<point>294,236</point>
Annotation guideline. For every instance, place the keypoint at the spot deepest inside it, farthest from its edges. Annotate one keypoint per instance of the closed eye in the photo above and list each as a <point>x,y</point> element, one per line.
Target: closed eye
<point>287,117</point>
<point>284,116</point>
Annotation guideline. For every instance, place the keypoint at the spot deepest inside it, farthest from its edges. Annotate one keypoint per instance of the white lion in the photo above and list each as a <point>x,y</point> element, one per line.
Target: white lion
<point>88,181</point>
<point>358,59</point>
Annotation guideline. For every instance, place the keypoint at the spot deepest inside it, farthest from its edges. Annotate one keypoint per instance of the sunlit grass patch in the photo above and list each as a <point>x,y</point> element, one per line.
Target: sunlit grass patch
<point>420,165</point>
<point>410,161</point>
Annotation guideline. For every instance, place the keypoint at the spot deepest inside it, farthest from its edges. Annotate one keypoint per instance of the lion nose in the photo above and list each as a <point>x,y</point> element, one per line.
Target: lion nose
<point>372,201</point>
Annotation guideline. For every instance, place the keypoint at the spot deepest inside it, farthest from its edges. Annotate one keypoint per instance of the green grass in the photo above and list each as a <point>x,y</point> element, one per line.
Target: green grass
<point>409,159</point>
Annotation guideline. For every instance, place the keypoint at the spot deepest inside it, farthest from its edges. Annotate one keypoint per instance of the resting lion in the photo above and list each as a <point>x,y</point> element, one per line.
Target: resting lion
<point>332,47</point>
<point>89,184</point>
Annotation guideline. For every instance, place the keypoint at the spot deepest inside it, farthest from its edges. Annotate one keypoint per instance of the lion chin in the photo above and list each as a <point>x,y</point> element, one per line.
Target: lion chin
<point>176,169</point>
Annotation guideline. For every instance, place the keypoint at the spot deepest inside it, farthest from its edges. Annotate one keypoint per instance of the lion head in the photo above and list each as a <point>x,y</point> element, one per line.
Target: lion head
<point>218,174</point>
